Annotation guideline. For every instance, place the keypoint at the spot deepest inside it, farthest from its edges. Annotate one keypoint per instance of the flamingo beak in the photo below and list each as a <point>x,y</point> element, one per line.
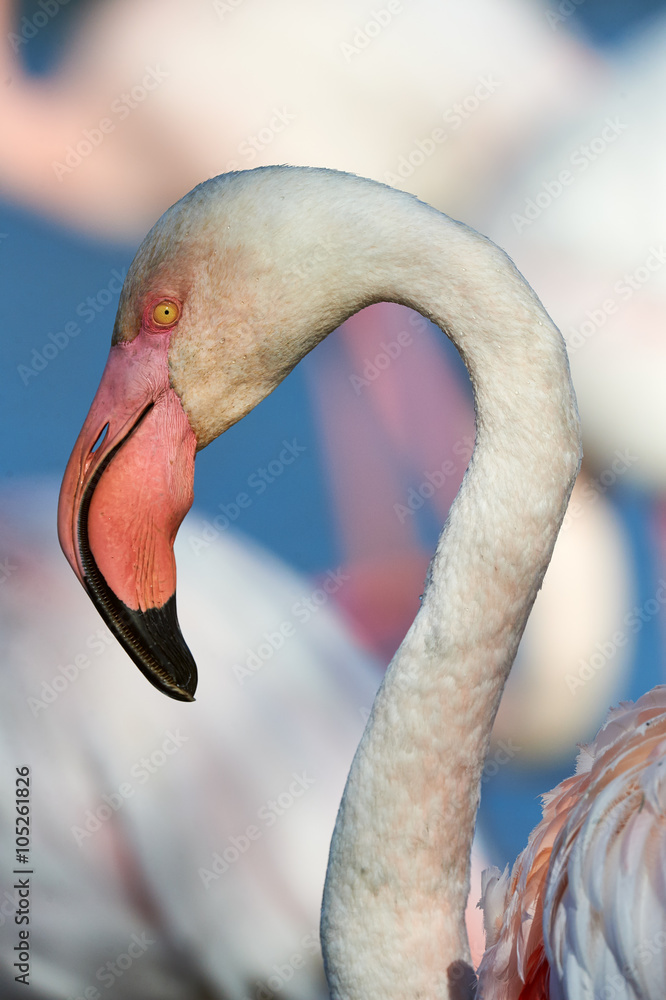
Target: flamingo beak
<point>126,489</point>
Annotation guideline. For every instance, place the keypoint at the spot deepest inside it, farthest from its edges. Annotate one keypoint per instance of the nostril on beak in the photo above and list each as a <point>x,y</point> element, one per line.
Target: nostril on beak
<point>100,439</point>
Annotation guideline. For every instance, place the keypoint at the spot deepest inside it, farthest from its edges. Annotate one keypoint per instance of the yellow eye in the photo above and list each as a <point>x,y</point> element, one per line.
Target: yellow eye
<point>166,312</point>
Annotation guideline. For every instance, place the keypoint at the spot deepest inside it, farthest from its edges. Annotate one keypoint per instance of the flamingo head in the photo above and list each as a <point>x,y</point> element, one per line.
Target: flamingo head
<point>230,289</point>
<point>195,347</point>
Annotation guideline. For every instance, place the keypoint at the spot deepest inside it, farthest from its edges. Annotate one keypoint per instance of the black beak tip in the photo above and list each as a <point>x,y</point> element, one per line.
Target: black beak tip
<point>156,644</point>
<point>154,641</point>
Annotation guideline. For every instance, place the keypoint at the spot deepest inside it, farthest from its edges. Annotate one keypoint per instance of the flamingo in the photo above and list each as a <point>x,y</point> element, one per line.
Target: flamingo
<point>230,289</point>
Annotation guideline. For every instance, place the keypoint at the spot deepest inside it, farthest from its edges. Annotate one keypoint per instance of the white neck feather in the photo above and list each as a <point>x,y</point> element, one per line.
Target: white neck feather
<point>328,244</point>
<point>398,875</point>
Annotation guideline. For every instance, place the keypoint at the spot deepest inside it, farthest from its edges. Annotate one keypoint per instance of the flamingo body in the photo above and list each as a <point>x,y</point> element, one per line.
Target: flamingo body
<point>582,913</point>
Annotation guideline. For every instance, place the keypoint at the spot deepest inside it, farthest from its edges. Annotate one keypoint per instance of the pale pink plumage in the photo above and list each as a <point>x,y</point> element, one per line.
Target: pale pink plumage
<point>582,914</point>
<point>309,247</point>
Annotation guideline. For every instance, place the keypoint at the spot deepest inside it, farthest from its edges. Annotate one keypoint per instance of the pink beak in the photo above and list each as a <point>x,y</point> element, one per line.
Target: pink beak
<point>126,489</point>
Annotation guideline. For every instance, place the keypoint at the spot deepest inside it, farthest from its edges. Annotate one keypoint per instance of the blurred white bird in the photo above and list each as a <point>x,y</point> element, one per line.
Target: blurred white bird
<point>246,780</point>
<point>264,756</point>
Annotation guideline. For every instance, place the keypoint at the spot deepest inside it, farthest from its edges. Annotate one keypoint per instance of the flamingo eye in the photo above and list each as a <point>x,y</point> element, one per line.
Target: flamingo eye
<point>166,312</point>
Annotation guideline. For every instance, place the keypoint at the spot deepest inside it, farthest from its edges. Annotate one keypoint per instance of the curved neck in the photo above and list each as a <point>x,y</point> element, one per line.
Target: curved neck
<point>398,875</point>
<point>328,244</point>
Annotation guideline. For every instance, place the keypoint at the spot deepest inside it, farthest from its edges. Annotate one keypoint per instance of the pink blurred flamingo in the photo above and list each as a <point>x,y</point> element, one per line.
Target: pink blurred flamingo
<point>234,285</point>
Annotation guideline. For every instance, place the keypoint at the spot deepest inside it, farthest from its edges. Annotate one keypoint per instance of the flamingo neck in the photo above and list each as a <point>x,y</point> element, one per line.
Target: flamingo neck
<point>324,245</point>
<point>398,874</point>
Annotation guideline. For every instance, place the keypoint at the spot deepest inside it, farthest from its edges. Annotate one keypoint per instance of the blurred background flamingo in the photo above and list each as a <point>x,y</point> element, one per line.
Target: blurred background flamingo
<point>475,107</point>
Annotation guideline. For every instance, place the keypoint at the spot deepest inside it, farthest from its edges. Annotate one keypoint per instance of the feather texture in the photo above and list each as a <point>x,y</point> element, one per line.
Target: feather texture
<point>583,910</point>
